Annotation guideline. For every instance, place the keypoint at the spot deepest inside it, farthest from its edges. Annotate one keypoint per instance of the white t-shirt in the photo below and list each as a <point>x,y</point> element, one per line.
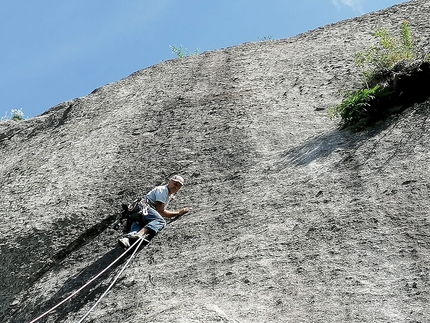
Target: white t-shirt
<point>158,194</point>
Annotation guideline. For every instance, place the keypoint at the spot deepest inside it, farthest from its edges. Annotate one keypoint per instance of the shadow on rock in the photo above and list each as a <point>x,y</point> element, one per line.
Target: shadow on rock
<point>321,146</point>
<point>348,141</point>
<point>89,293</point>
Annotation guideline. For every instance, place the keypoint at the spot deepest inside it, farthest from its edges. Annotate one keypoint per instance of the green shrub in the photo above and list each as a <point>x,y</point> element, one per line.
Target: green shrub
<point>358,107</point>
<point>182,52</point>
<point>372,101</point>
<point>389,51</point>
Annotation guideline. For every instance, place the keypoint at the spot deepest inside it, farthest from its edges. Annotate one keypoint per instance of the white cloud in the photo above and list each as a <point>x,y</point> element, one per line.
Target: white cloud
<point>354,4</point>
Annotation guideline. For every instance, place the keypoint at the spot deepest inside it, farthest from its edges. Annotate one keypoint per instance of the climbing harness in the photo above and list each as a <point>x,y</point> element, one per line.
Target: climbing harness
<point>138,243</point>
<point>133,212</point>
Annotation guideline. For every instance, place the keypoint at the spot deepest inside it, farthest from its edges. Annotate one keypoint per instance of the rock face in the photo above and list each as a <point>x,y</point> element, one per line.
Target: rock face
<point>294,220</point>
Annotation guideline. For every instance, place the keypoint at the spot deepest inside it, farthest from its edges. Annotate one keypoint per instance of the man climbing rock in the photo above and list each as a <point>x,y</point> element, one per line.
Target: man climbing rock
<point>153,211</point>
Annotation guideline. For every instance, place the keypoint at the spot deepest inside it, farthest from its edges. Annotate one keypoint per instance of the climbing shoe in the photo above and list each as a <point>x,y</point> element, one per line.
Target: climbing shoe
<point>124,243</point>
<point>136,237</point>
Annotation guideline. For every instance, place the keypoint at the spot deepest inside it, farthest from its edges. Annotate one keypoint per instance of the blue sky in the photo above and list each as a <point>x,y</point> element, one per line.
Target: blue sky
<point>54,51</point>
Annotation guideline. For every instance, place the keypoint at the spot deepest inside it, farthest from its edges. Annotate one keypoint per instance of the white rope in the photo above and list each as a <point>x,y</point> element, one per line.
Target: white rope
<point>80,289</point>
<point>115,279</point>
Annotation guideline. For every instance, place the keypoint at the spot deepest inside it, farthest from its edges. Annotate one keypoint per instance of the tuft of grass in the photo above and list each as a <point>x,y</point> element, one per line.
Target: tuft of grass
<point>265,38</point>
<point>15,114</point>
<point>182,52</point>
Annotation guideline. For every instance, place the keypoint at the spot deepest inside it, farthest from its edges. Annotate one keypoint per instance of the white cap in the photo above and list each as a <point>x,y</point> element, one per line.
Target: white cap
<point>178,179</point>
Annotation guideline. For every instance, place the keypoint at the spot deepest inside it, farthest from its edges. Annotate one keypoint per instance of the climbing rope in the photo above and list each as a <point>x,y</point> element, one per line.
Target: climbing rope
<point>140,240</point>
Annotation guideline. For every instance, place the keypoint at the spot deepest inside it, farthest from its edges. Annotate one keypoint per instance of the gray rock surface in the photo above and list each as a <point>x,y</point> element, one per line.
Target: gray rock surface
<point>293,220</point>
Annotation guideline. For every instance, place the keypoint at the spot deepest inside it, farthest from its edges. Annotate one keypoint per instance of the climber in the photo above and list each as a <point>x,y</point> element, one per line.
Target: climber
<point>151,221</point>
